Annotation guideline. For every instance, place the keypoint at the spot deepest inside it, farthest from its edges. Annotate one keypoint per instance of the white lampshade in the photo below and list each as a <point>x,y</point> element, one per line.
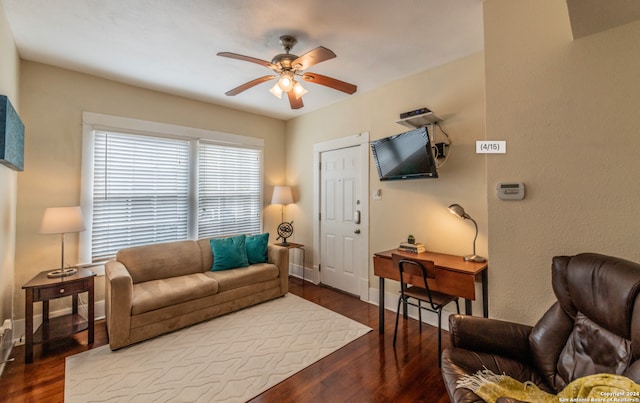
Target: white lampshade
<point>286,81</point>
<point>299,90</point>
<point>62,220</point>
<point>276,90</point>
<point>282,195</point>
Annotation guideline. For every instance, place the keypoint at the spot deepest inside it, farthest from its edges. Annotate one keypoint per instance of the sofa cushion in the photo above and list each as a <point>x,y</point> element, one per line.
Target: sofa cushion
<point>256,273</point>
<point>592,349</point>
<point>257,248</point>
<point>156,294</point>
<point>162,260</point>
<point>229,253</point>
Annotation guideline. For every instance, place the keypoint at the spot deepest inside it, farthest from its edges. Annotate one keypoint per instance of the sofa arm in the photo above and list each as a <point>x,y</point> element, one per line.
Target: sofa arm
<point>491,336</point>
<point>279,256</point>
<point>118,302</point>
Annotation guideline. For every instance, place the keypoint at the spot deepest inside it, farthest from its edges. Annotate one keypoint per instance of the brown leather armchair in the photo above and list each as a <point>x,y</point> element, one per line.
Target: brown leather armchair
<point>593,327</point>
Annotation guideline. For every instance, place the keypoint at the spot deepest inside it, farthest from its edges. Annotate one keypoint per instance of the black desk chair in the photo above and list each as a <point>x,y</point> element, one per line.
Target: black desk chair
<point>434,300</point>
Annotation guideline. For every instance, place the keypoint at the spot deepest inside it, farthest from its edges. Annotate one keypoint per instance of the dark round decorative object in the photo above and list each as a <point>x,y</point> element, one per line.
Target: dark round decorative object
<point>285,230</point>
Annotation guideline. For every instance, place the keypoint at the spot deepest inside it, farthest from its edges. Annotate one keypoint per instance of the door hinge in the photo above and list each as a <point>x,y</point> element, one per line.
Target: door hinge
<point>319,268</point>
<point>319,216</point>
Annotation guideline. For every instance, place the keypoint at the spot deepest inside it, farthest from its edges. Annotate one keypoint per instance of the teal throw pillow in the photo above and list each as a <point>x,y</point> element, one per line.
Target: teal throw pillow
<point>257,248</point>
<point>229,253</point>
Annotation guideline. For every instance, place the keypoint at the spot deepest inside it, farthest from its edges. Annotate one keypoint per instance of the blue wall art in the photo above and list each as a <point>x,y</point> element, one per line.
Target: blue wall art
<point>11,136</point>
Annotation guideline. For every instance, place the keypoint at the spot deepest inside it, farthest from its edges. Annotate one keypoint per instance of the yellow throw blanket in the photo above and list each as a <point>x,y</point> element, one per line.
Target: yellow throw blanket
<point>593,388</point>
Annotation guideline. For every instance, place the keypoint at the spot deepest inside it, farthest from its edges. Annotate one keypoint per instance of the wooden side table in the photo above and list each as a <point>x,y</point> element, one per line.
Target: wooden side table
<point>42,288</point>
<point>292,245</point>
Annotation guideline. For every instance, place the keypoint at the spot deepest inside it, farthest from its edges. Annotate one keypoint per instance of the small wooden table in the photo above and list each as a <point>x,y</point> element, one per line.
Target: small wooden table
<point>293,245</point>
<point>42,288</point>
<point>454,276</point>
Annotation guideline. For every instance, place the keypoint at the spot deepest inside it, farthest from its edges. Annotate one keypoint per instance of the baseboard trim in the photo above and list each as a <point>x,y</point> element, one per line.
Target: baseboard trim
<point>6,344</point>
<point>391,304</point>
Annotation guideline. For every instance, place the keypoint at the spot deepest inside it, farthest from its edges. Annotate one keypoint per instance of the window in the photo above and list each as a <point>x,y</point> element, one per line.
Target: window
<point>229,195</point>
<point>140,192</point>
<point>150,187</point>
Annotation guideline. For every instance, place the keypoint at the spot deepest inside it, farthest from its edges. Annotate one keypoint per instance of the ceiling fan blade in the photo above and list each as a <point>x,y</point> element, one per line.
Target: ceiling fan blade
<point>248,59</point>
<point>248,85</point>
<point>329,82</point>
<point>315,56</point>
<point>295,102</point>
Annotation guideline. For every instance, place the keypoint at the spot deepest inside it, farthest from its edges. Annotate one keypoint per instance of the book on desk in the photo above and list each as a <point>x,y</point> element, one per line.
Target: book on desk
<point>412,247</point>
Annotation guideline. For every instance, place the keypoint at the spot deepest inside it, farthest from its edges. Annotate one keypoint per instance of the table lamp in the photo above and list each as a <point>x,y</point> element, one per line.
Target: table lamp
<point>459,211</point>
<point>62,220</point>
<point>282,195</point>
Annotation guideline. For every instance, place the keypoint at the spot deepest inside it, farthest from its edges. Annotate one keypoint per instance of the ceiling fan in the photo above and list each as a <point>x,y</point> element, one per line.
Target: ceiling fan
<point>288,67</point>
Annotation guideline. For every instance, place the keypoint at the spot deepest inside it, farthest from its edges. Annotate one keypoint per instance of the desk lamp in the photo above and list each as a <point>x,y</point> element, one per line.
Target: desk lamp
<point>459,211</point>
<point>62,220</point>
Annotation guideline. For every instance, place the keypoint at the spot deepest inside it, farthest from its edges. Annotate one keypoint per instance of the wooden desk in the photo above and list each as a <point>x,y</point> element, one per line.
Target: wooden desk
<point>453,276</point>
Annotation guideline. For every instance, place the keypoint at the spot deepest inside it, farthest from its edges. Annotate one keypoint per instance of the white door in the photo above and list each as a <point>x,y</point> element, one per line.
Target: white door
<point>340,205</point>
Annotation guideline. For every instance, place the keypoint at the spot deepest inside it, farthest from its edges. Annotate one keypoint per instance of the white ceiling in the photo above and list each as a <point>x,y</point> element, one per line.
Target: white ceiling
<point>171,45</point>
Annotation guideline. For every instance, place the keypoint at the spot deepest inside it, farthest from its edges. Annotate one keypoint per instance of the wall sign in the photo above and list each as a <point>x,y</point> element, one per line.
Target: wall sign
<point>491,147</point>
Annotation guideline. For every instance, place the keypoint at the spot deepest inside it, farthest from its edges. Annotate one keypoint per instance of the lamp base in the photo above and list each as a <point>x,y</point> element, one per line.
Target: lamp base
<point>69,271</point>
<point>283,243</point>
<point>474,258</point>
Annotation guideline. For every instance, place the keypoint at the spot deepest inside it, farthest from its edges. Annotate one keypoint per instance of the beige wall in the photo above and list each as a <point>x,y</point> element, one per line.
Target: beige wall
<point>569,113</point>
<point>9,78</point>
<point>455,92</point>
<point>53,100</point>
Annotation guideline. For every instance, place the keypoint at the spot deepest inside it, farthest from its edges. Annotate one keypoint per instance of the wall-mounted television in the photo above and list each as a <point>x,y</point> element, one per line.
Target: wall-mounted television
<point>406,155</point>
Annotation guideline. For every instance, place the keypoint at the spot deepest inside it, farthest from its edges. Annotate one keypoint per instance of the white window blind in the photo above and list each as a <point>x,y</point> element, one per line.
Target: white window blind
<point>229,190</point>
<point>140,191</point>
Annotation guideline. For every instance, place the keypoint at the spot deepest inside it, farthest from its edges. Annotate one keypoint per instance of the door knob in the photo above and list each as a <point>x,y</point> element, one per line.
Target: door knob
<point>357,231</point>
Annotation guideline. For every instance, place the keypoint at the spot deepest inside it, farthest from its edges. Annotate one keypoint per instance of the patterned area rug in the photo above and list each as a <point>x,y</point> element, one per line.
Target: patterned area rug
<point>232,358</point>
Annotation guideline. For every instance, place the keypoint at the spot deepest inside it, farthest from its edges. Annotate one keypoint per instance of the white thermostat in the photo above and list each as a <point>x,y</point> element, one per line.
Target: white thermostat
<point>510,191</point>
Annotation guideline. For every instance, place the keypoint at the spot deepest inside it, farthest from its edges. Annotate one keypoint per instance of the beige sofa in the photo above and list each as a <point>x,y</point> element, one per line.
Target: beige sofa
<point>155,289</point>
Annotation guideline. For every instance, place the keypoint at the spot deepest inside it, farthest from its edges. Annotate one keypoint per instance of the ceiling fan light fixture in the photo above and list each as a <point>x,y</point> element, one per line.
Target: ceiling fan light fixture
<point>276,90</point>
<point>299,90</point>
<point>286,81</point>
<point>286,66</point>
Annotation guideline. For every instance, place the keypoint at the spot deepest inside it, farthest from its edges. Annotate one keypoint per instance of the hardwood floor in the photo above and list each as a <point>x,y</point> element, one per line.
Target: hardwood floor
<point>366,370</point>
